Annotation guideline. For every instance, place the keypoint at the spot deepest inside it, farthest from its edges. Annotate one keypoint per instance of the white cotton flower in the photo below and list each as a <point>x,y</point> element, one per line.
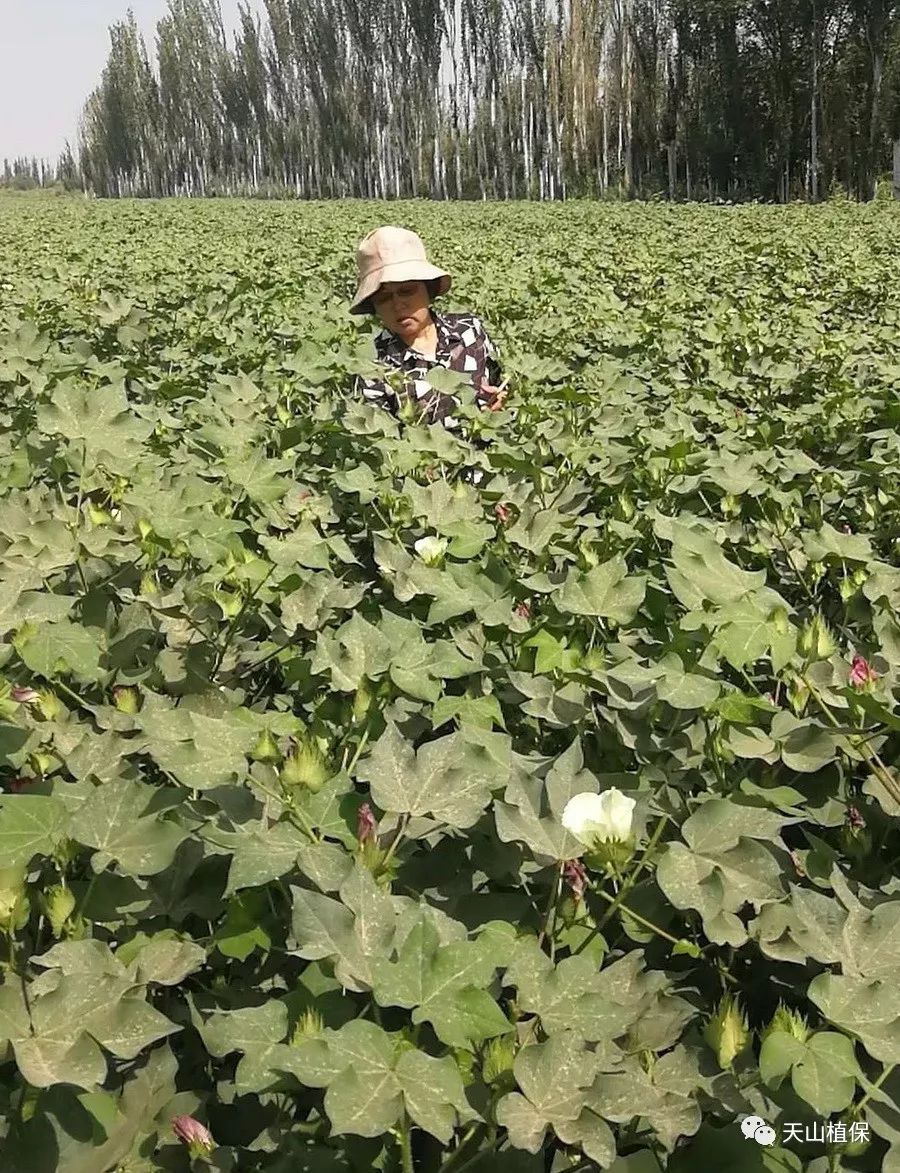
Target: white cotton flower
<point>431,550</point>
<point>599,818</point>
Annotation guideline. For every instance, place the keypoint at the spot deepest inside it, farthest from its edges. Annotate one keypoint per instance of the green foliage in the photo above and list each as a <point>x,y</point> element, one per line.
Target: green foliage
<point>281,829</point>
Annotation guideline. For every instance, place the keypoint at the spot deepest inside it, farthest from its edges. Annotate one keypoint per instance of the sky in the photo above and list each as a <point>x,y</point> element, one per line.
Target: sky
<point>52,53</point>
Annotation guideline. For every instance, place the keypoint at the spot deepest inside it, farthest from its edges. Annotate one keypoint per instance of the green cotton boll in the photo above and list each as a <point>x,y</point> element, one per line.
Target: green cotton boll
<point>727,1032</point>
<point>362,700</point>
<point>127,698</point>
<point>266,748</point>
<point>305,766</point>
<point>816,641</point>
<point>497,1064</point>
<point>626,509</point>
<point>99,516</point>
<point>787,1022</point>
<point>12,897</point>
<point>43,763</point>
<point>310,1025</point>
<point>48,704</point>
<point>58,904</point>
<point>229,602</point>
<point>780,621</point>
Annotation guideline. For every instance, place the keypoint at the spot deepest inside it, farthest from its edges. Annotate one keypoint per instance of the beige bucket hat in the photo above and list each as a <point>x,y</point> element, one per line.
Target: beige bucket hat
<point>392,254</point>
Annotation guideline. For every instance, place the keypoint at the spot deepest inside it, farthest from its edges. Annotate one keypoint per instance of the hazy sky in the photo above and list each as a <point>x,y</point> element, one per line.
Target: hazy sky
<point>51,55</point>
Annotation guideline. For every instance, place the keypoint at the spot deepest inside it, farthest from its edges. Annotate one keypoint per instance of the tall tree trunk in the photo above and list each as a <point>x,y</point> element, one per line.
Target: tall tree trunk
<point>814,111</point>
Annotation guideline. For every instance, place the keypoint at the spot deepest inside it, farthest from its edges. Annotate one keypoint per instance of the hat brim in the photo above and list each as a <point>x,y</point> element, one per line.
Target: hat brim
<point>398,272</point>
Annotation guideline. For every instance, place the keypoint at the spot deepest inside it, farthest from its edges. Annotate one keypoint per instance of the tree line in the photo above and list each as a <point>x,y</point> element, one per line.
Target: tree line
<point>497,99</point>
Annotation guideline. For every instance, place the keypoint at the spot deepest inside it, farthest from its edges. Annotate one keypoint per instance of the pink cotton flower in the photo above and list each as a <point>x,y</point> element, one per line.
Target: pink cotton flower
<point>576,877</point>
<point>365,824</point>
<point>25,696</point>
<point>523,610</point>
<point>862,674</point>
<point>503,513</point>
<point>195,1135</point>
<point>855,819</point>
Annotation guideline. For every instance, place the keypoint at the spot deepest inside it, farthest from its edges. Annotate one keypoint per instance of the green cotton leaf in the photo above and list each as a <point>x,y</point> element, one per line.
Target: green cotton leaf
<point>200,752</point>
<point>746,632</point>
<point>664,1098</point>
<point>572,996</point>
<point>552,1077</point>
<point>304,547</point>
<point>685,690</point>
<point>46,1062</point>
<point>526,817</point>
<point>246,1029</point>
<point>443,984</point>
<point>96,421</point>
<point>242,932</point>
<point>720,823</point>
<point>870,942</point>
<point>313,604</point>
<point>166,962</point>
<point>591,1134</point>
<point>700,572</point>
<point>449,778</point>
<point>806,745</point>
<point>604,592</point>
<point>823,1069</point>
<point>256,1031</point>
<point>355,652</point>
<point>365,1097</point>
<point>62,647</point>
<point>119,822</point>
<point>352,932</point>
<point>110,1009</point>
<point>261,854</point>
<point>30,824</point>
<point>718,882</point>
<point>862,1007</point>
<point>829,544</point>
<point>534,528</point>
<point>483,712</point>
<point>433,1093</point>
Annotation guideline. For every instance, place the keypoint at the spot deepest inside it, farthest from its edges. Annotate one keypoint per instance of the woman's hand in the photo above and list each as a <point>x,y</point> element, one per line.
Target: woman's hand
<point>494,397</point>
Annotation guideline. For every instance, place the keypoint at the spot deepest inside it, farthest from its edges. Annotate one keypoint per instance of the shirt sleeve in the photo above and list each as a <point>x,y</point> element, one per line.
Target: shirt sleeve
<point>375,391</point>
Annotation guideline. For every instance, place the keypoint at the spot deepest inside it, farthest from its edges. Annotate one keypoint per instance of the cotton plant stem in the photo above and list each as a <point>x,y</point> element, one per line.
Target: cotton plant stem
<point>631,878</point>
<point>878,768</point>
<point>635,916</point>
<point>398,838</point>
<point>293,811</point>
<point>406,1145</point>
<point>463,1150</point>
<point>555,891</point>
<point>876,1086</point>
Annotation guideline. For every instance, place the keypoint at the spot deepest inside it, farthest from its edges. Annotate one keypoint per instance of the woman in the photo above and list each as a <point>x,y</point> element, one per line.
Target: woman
<point>398,285</point>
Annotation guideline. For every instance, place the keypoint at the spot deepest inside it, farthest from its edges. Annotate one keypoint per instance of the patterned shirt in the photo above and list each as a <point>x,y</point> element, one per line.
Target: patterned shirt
<point>462,346</point>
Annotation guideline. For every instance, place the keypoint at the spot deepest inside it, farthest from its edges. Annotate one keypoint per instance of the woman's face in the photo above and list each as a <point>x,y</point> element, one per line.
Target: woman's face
<point>403,307</point>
